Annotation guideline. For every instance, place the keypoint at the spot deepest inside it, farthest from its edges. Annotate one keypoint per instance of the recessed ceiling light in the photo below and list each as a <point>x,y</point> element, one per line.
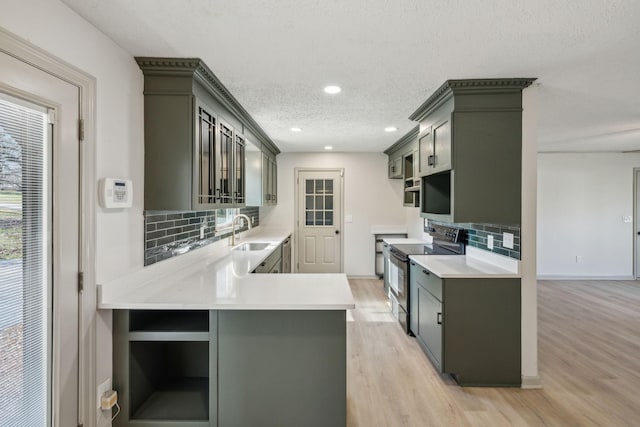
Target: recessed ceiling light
<point>390,129</point>
<point>328,147</point>
<point>296,129</point>
<point>332,90</point>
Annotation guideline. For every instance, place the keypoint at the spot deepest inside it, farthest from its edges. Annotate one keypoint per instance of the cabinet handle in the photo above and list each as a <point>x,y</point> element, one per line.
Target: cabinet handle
<point>439,319</point>
<point>426,272</point>
<point>413,263</point>
<point>218,197</point>
<point>431,160</point>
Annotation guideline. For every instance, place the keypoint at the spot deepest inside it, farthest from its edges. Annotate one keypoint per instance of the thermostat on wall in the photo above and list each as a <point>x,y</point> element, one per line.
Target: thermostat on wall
<point>115,193</point>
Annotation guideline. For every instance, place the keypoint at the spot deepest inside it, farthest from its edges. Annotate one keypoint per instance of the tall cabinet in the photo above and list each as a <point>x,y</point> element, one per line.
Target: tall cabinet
<point>196,137</point>
<point>470,151</point>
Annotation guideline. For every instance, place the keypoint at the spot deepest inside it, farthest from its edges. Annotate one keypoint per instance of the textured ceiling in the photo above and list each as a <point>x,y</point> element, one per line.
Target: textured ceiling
<point>388,56</point>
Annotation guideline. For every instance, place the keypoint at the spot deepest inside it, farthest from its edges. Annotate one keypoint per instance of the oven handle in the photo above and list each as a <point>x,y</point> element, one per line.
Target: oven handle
<point>398,256</point>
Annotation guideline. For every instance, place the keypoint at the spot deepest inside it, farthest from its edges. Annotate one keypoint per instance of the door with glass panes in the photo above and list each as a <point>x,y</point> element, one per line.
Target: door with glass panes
<point>39,256</point>
<point>319,241</point>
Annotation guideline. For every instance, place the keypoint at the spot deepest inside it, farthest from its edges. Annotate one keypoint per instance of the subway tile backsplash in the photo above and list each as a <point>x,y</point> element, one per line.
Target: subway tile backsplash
<point>166,233</point>
<point>476,236</point>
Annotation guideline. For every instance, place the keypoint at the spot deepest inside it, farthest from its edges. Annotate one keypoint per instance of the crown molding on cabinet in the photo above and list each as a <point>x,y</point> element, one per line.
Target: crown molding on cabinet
<point>407,137</point>
<point>467,86</point>
<point>196,68</point>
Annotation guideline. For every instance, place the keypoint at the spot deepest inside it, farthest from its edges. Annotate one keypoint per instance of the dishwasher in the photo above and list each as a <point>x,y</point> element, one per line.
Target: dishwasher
<point>286,255</point>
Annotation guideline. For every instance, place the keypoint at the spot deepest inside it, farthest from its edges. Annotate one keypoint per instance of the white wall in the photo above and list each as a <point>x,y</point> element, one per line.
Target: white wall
<point>53,27</point>
<point>369,196</point>
<point>581,201</point>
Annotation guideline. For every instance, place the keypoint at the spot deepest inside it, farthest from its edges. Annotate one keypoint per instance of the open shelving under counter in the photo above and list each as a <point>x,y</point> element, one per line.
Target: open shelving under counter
<point>165,366</point>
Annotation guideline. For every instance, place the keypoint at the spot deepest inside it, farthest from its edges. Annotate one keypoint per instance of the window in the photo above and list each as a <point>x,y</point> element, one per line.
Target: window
<point>318,202</point>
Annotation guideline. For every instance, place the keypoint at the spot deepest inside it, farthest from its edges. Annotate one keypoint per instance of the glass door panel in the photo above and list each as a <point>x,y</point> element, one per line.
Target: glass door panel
<point>25,260</point>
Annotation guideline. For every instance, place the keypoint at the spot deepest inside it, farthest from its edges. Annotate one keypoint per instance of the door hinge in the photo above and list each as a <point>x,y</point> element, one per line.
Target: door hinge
<point>80,282</point>
<point>81,129</point>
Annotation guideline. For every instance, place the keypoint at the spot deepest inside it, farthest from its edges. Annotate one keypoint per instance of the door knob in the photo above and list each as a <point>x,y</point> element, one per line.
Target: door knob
<point>337,231</point>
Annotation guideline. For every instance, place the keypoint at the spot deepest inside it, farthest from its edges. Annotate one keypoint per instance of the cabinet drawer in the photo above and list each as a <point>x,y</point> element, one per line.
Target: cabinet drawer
<point>429,281</point>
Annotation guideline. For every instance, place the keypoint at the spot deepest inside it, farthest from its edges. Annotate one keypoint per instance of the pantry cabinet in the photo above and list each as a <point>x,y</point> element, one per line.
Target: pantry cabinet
<point>196,136</point>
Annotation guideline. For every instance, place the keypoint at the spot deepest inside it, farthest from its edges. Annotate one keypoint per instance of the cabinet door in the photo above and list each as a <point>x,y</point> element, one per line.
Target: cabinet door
<point>414,270</point>
<point>426,154</point>
<point>205,153</point>
<point>430,324</point>
<point>239,170</point>
<point>442,145</point>
<point>395,167</point>
<point>224,165</point>
<point>266,180</point>
<point>274,181</point>
<point>416,163</point>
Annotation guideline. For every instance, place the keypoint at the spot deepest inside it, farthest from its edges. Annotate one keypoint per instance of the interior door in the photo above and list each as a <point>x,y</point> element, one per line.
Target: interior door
<point>39,297</point>
<point>319,221</point>
<point>637,222</point>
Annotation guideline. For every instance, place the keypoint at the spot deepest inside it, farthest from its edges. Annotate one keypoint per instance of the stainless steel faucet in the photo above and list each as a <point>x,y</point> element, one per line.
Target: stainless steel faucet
<point>233,226</point>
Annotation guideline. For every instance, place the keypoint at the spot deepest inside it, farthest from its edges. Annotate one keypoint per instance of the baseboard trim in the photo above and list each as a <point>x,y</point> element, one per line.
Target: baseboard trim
<point>586,278</point>
<point>363,277</point>
<point>529,382</point>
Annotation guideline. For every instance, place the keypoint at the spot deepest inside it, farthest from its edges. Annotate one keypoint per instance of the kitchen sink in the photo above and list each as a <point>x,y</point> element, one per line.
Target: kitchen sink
<point>255,246</point>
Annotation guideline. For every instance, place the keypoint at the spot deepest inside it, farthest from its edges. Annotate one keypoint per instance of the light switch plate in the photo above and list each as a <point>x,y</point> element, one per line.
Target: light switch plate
<point>627,219</point>
<point>507,240</point>
<point>490,242</point>
<point>348,218</point>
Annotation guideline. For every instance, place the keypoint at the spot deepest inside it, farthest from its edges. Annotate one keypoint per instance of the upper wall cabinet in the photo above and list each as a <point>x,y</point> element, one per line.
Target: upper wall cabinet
<point>261,178</point>
<point>406,145</point>
<point>196,136</point>
<point>470,151</point>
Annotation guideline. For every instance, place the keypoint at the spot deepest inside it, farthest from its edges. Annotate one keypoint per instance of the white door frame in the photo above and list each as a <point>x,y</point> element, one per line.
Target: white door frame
<point>20,49</point>
<point>636,223</point>
<point>297,212</point>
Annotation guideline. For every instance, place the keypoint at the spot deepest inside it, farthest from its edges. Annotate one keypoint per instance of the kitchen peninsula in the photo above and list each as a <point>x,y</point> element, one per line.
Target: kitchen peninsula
<point>200,341</point>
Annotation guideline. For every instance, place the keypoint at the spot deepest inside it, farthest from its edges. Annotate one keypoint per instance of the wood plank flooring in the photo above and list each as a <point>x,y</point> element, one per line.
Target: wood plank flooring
<point>589,354</point>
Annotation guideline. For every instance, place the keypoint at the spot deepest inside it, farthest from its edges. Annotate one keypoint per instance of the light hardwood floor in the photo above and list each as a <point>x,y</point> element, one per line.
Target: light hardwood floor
<point>589,361</point>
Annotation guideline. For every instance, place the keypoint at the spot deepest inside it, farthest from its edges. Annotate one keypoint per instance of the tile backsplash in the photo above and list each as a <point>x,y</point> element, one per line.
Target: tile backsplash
<point>168,233</point>
<point>476,236</point>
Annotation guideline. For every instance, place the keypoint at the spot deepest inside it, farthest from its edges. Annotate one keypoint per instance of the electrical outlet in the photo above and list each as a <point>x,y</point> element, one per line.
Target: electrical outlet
<point>578,259</point>
<point>102,389</point>
<point>490,242</point>
<point>507,240</point>
<point>627,219</point>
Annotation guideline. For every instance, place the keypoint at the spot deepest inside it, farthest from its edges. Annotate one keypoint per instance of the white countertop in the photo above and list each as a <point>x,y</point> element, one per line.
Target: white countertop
<point>403,241</point>
<point>216,278</point>
<point>462,266</point>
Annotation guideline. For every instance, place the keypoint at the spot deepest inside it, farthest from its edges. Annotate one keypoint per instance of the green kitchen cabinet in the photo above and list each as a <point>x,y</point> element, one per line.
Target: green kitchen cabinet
<point>470,151</point>
<point>196,136</point>
<point>398,152</point>
<point>228,368</point>
<point>262,169</point>
<point>395,167</point>
<point>468,327</point>
<point>270,179</point>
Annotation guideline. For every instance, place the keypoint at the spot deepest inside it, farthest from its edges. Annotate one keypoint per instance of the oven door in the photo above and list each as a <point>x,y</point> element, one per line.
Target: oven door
<point>398,279</point>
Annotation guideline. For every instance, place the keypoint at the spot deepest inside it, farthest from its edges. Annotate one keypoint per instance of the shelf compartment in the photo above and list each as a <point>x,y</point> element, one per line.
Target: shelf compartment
<point>169,321</point>
<point>169,381</point>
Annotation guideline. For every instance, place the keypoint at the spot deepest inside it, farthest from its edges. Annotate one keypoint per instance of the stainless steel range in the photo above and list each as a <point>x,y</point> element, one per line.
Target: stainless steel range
<point>446,241</point>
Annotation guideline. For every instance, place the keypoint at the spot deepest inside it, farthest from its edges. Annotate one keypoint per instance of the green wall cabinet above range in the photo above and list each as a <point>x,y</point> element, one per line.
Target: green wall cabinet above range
<point>470,151</point>
<point>196,138</point>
